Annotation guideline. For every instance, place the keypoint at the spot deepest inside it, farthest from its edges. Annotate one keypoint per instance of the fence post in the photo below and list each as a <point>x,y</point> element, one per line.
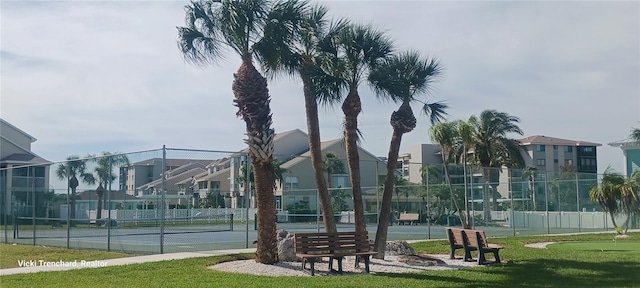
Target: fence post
<point>68,206</point>
<point>578,202</point>
<point>109,208</point>
<point>162,211</point>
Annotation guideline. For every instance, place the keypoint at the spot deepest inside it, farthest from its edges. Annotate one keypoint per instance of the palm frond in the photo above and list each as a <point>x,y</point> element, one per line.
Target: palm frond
<point>436,111</point>
<point>635,134</point>
<point>200,41</point>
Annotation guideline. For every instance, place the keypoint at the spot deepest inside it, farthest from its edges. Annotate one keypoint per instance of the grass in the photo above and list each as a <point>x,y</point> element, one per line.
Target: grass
<point>622,246</point>
<point>11,254</point>
<point>523,267</point>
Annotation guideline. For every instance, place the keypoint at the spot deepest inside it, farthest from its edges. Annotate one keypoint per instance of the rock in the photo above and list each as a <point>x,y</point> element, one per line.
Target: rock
<point>286,251</point>
<point>399,248</point>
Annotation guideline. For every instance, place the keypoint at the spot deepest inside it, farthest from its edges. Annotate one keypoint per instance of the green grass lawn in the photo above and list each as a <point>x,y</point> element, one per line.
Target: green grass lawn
<point>11,254</point>
<point>522,267</point>
<point>620,246</point>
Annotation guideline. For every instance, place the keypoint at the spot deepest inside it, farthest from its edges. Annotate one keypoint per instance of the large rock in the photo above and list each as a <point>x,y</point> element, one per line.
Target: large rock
<point>399,248</point>
<point>286,250</point>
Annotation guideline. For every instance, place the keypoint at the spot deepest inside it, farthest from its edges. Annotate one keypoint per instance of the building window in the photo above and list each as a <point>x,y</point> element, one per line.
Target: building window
<point>540,148</point>
<point>291,182</point>
<point>586,149</point>
<point>555,147</point>
<point>568,149</point>
<point>555,160</point>
<point>568,162</point>
<point>340,181</point>
<point>541,162</point>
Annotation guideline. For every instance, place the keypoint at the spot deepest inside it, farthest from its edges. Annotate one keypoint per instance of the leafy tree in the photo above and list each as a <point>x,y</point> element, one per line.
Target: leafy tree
<point>401,78</point>
<point>241,25</point>
<point>493,149</point>
<point>70,170</point>
<point>349,57</point>
<point>301,58</point>
<point>630,198</point>
<point>332,165</point>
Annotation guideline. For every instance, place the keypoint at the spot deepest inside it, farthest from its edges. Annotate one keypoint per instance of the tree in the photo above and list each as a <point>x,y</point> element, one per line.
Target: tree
<point>401,78</point>
<point>332,165</point>
<point>302,58</point>
<point>493,149</point>
<point>630,198</point>
<point>464,130</point>
<point>70,171</point>
<point>240,25</point>
<point>635,134</point>
<point>530,174</point>
<point>445,134</point>
<point>105,176</point>
<point>349,57</point>
<point>608,194</point>
<point>248,175</point>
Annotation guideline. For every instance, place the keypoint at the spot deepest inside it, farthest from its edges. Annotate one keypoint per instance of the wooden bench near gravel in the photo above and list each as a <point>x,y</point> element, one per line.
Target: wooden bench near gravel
<point>335,246</point>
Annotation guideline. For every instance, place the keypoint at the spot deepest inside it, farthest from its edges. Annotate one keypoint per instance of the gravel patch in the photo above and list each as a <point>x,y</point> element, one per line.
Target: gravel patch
<point>541,245</point>
<point>391,264</point>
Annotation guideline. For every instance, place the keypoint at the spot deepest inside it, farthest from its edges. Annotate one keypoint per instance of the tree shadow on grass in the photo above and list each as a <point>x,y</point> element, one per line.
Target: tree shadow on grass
<point>541,273</point>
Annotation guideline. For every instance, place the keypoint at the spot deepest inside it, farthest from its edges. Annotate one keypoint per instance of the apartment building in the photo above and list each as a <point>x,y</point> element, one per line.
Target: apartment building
<point>631,151</point>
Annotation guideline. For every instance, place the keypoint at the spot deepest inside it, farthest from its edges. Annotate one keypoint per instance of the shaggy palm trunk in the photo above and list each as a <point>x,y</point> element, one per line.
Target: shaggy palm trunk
<point>252,99</point>
<point>351,107</point>
<point>402,121</point>
<point>99,192</point>
<point>313,127</point>
<point>73,184</point>
<point>467,223</point>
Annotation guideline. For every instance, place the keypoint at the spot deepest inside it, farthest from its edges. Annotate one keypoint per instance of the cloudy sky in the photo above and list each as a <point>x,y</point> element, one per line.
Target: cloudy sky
<point>86,76</point>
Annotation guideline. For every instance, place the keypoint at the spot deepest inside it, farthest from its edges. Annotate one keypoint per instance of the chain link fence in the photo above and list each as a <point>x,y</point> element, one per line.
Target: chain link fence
<point>171,200</point>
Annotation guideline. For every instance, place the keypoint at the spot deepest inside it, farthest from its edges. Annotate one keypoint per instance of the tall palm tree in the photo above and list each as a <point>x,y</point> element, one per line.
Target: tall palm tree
<point>493,149</point>
<point>239,24</point>
<point>105,176</point>
<point>70,170</point>
<point>400,79</point>
<point>446,136</point>
<point>348,58</point>
<point>464,130</point>
<point>248,175</point>
<point>630,197</point>
<point>301,58</point>
<point>530,174</point>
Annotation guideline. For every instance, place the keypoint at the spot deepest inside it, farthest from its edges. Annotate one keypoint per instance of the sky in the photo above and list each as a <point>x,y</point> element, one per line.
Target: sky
<point>90,76</point>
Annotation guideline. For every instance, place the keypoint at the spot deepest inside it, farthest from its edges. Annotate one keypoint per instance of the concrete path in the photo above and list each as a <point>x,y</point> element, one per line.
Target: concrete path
<point>34,265</point>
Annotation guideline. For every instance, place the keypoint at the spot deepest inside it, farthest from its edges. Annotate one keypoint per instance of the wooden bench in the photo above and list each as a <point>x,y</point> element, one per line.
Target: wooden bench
<point>335,246</point>
<point>476,240</point>
<point>471,240</point>
<point>409,217</point>
<point>457,241</point>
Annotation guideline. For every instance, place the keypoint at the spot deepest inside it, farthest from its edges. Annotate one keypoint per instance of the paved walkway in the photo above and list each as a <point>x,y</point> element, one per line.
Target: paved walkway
<point>54,266</point>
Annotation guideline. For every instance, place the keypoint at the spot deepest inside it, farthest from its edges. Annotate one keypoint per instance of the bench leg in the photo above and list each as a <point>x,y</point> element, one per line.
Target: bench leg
<point>467,255</point>
<point>495,254</point>
<point>453,253</point>
<point>313,268</point>
<point>340,264</point>
<point>481,259</point>
<point>366,263</point>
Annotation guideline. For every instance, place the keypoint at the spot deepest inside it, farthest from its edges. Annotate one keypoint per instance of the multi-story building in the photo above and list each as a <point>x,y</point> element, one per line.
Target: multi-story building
<point>631,151</point>
<point>22,172</point>
<point>549,154</point>
<point>143,172</point>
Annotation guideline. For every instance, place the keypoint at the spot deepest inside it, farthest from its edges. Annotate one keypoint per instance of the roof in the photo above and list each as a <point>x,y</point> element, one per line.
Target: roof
<point>33,139</point>
<point>307,155</point>
<point>625,143</point>
<point>546,140</point>
<point>115,195</point>
<point>25,158</point>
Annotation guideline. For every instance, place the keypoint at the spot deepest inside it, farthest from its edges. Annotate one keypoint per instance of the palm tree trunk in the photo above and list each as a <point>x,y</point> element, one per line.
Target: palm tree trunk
<point>467,223</point>
<point>387,195</point>
<point>454,199</point>
<point>485,196</point>
<point>252,99</point>
<point>313,127</point>
<point>351,108</point>
<point>613,220</point>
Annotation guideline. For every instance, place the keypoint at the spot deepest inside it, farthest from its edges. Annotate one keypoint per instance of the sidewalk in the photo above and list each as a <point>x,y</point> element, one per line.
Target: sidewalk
<point>123,261</point>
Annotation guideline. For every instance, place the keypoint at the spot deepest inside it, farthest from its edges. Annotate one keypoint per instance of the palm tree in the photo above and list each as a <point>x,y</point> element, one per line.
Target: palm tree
<point>446,136</point>
<point>464,130</point>
<point>302,58</point>
<point>239,24</point>
<point>105,176</point>
<point>630,197</point>
<point>349,57</point>
<point>530,174</point>
<point>608,194</point>
<point>635,134</point>
<point>70,170</point>
<point>493,149</point>
<point>332,165</point>
<point>247,174</point>
<point>400,79</point>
